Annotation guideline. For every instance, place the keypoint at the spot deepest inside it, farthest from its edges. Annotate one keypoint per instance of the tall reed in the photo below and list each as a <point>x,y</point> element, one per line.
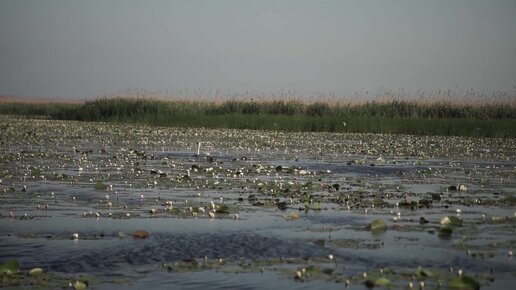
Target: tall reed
<point>395,116</point>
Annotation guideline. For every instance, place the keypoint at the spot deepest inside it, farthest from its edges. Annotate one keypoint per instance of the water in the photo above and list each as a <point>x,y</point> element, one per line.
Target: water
<point>49,186</point>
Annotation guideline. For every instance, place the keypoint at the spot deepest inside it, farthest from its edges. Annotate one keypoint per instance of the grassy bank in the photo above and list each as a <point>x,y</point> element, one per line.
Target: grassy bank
<point>397,117</point>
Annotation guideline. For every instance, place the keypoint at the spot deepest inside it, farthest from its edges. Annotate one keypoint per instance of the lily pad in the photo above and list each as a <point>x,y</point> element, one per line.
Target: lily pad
<point>10,267</point>
<point>382,282</point>
<point>509,199</point>
<point>100,186</point>
<point>422,273</point>
<point>378,202</point>
<point>78,285</point>
<point>464,283</point>
<point>378,225</point>
<point>36,272</point>
<point>451,221</point>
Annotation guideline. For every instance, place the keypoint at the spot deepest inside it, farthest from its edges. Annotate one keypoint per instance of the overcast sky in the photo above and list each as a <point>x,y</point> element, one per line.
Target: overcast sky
<point>83,49</point>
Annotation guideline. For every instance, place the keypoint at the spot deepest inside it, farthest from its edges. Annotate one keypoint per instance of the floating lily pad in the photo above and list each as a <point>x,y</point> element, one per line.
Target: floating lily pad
<point>100,186</point>
<point>422,273</point>
<point>378,202</point>
<point>509,199</point>
<point>382,282</point>
<point>10,267</point>
<point>464,283</point>
<point>78,285</point>
<point>378,225</point>
<point>451,220</point>
<point>36,272</point>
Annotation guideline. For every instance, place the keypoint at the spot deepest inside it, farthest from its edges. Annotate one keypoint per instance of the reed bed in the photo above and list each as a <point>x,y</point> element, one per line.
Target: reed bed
<point>382,116</point>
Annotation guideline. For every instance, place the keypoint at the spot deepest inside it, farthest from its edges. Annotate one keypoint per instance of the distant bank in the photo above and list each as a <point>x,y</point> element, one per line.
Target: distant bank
<point>386,116</point>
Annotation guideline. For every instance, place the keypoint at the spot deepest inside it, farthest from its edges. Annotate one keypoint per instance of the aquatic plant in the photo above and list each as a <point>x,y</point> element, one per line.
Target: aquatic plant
<point>395,116</point>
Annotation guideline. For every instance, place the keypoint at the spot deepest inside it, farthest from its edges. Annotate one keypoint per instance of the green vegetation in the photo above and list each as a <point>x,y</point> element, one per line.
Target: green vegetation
<point>394,117</point>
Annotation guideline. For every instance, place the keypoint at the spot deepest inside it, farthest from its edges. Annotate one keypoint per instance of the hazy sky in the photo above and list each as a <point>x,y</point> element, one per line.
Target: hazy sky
<point>82,49</point>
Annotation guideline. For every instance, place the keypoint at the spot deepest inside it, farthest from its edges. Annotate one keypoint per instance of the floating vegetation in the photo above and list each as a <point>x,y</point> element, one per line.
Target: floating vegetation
<point>298,206</point>
<point>445,232</point>
<point>464,283</point>
<point>140,234</point>
<point>10,267</point>
<point>13,277</point>
<point>100,186</point>
<point>451,221</point>
<point>378,226</point>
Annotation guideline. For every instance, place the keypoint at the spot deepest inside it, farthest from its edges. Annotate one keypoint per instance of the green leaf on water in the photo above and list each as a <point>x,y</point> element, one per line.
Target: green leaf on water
<point>509,199</point>
<point>10,267</point>
<point>78,285</point>
<point>100,186</point>
<point>36,272</point>
<point>378,202</point>
<point>35,172</point>
<point>382,282</point>
<point>451,220</point>
<point>378,225</point>
<point>422,274</point>
<point>464,283</point>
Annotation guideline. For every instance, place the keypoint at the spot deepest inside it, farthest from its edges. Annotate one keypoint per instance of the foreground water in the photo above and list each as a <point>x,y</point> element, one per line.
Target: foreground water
<point>252,210</point>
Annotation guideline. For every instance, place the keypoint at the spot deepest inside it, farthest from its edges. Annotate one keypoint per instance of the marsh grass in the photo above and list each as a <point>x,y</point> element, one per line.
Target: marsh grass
<point>392,117</point>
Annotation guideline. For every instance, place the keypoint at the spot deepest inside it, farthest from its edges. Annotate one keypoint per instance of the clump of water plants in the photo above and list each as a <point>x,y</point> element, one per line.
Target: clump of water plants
<point>100,186</point>
<point>464,282</point>
<point>451,221</point>
<point>10,267</point>
<point>140,234</point>
<point>37,278</point>
<point>378,226</point>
